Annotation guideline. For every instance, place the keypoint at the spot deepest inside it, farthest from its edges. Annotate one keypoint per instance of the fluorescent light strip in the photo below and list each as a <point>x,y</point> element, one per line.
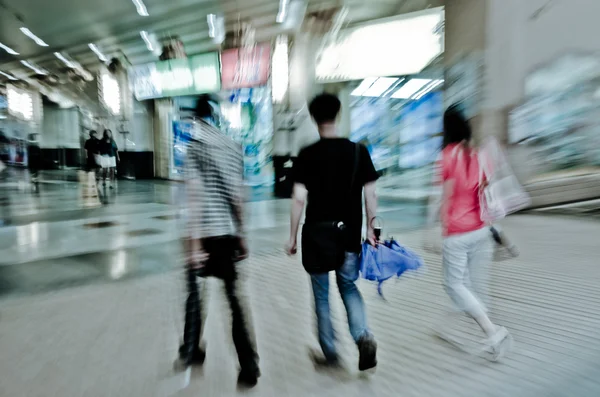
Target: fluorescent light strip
<point>34,68</point>
<point>141,8</point>
<point>147,40</point>
<point>363,86</point>
<point>33,37</point>
<point>65,60</point>
<point>100,55</point>
<point>393,87</point>
<point>283,9</point>
<point>8,76</point>
<point>211,18</point>
<point>410,88</point>
<point>380,86</point>
<point>427,89</point>
<point>8,49</point>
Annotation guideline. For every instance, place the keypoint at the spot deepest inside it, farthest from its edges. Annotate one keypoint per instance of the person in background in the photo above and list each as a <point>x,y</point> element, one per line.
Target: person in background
<point>467,246</point>
<point>34,158</point>
<point>331,175</point>
<point>110,156</point>
<point>92,152</point>
<point>214,240</point>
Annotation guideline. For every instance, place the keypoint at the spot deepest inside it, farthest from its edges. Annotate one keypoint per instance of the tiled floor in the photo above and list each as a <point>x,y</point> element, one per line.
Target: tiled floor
<point>104,317</point>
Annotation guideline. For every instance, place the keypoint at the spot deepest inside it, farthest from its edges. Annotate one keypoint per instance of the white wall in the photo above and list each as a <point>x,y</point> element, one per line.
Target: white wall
<point>518,42</point>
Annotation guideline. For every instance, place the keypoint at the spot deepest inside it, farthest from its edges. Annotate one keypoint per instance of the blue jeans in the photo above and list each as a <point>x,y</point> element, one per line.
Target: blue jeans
<point>346,277</point>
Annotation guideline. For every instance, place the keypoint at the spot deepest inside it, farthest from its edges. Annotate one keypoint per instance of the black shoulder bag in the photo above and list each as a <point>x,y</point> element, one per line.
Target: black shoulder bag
<point>324,244</point>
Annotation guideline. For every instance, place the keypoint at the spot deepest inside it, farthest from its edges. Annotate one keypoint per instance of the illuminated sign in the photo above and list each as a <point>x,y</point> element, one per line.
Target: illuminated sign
<point>176,77</point>
<point>365,51</point>
<point>20,103</point>
<point>245,67</point>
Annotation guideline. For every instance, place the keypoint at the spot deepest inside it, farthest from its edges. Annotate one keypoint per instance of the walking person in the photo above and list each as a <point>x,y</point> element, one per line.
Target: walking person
<point>34,159</point>
<point>110,155</point>
<point>332,175</point>
<point>215,240</point>
<point>92,153</point>
<point>467,246</point>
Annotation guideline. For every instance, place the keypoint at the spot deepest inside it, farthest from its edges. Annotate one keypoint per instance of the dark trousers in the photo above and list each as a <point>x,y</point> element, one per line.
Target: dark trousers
<point>221,251</point>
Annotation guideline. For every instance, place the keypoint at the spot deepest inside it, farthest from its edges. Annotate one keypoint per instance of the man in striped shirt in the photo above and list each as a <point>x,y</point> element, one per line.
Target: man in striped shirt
<point>214,238</point>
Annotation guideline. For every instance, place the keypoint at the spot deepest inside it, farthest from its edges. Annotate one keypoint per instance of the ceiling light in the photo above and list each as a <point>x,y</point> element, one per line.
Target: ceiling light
<point>410,88</point>
<point>211,19</point>
<point>8,49</point>
<point>147,40</point>
<point>216,27</point>
<point>33,37</point>
<point>428,88</point>
<point>380,86</point>
<point>363,86</point>
<point>100,55</point>
<point>35,68</point>
<point>8,76</point>
<point>141,8</point>
<point>65,60</point>
<point>283,10</point>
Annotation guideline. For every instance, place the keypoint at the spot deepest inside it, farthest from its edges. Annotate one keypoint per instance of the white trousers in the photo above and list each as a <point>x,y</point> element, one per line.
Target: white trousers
<point>466,259</point>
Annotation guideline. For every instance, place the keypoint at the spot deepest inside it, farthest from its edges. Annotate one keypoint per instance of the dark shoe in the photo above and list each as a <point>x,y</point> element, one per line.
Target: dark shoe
<point>367,349</point>
<point>320,361</point>
<point>248,378</point>
<point>197,357</point>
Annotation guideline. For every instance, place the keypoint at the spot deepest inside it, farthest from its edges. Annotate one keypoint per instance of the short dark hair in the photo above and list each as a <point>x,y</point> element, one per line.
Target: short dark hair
<point>92,132</point>
<point>456,126</point>
<point>324,108</point>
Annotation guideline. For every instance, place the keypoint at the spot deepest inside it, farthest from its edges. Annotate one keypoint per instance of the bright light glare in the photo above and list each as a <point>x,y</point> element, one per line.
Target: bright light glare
<point>363,86</point>
<point>8,76</point>
<point>428,88</point>
<point>20,104</point>
<point>111,93</point>
<point>380,86</point>
<point>100,55</point>
<point>141,8</point>
<point>147,40</point>
<point>280,69</point>
<point>283,10</point>
<point>365,51</point>
<point>65,60</point>
<point>211,18</point>
<point>33,37</point>
<point>34,68</point>
<point>8,49</point>
<point>410,88</point>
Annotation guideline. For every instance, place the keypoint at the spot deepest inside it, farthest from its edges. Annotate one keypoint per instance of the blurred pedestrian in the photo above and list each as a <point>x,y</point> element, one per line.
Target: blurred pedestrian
<point>110,156</point>
<point>331,175</point>
<point>215,239</point>
<point>34,159</point>
<point>467,246</point>
<point>92,152</point>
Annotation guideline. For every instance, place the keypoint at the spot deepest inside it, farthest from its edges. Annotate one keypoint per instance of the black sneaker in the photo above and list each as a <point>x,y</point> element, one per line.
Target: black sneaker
<point>367,349</point>
<point>248,378</point>
<point>197,357</point>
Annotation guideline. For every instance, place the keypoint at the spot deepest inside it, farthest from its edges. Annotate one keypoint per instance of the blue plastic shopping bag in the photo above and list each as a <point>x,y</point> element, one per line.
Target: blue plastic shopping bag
<point>386,261</point>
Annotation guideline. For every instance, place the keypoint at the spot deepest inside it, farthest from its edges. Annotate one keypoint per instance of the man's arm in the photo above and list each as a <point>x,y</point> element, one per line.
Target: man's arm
<point>371,209</point>
<point>298,202</point>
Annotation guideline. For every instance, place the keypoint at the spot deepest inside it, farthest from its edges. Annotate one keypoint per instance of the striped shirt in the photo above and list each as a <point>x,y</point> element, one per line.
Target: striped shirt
<point>214,184</point>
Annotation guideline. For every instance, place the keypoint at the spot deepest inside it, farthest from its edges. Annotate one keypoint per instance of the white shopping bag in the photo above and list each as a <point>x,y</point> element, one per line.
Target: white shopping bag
<point>501,193</point>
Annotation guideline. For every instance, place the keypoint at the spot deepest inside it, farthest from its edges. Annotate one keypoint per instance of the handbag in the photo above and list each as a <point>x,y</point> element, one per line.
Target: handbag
<point>324,244</point>
<point>500,192</point>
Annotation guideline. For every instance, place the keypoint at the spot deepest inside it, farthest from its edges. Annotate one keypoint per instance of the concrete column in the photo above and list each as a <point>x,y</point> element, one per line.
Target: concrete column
<point>163,137</point>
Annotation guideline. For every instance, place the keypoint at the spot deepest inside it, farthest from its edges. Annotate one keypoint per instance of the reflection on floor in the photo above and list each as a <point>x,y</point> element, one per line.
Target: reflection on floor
<point>97,311</point>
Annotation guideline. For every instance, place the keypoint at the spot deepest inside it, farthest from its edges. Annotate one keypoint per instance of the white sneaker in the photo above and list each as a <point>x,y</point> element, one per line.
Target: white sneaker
<point>497,345</point>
